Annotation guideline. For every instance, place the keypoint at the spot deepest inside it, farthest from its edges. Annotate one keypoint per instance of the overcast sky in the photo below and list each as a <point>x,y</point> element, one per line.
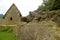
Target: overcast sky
<point>23,5</point>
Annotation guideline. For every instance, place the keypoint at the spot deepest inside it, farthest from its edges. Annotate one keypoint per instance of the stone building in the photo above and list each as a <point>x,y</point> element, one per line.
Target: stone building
<point>12,18</point>
<point>13,15</point>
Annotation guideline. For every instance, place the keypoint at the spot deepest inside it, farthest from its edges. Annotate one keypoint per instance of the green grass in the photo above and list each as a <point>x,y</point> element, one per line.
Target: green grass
<point>7,34</point>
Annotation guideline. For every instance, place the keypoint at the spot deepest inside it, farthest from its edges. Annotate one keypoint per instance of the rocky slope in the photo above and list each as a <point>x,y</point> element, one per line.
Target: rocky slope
<point>41,25</point>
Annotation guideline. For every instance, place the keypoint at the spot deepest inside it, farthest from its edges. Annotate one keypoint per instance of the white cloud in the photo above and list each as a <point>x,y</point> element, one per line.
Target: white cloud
<point>23,5</point>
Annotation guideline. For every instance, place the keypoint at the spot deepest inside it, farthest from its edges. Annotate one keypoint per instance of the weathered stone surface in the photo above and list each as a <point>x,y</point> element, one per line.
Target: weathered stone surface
<point>36,31</point>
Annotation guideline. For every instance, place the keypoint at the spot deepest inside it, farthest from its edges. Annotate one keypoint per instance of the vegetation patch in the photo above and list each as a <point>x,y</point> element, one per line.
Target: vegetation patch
<point>6,33</point>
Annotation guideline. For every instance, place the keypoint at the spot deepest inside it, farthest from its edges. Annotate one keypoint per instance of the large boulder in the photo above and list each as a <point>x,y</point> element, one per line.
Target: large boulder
<point>36,31</point>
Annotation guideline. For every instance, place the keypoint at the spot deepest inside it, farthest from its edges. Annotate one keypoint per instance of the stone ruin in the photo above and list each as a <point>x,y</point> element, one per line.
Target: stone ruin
<point>32,26</point>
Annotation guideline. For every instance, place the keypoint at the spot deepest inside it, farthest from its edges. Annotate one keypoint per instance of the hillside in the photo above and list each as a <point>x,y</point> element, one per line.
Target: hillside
<point>1,15</point>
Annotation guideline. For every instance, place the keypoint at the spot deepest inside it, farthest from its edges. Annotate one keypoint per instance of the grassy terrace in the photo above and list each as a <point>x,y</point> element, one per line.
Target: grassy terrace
<point>7,34</point>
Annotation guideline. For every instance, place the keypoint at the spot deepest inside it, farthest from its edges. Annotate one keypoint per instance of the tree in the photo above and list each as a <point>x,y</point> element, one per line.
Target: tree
<point>50,5</point>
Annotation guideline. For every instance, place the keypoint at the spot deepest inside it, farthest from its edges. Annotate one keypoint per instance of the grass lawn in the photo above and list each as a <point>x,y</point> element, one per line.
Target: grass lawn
<point>7,34</point>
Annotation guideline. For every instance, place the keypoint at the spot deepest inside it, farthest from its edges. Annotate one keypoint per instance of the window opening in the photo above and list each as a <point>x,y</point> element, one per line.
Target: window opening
<point>11,18</point>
